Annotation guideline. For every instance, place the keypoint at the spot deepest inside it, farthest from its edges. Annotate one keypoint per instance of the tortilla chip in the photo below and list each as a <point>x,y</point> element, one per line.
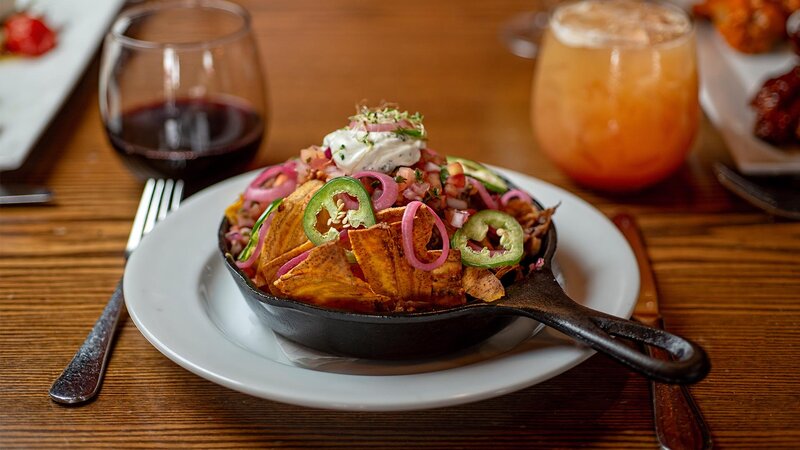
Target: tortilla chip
<point>482,284</point>
<point>423,230</point>
<point>231,212</point>
<point>326,279</point>
<point>267,269</point>
<point>390,215</point>
<point>407,281</point>
<point>413,283</point>
<point>515,271</point>
<point>380,254</point>
<point>423,225</point>
<point>286,231</point>
<point>375,252</point>
<point>446,289</point>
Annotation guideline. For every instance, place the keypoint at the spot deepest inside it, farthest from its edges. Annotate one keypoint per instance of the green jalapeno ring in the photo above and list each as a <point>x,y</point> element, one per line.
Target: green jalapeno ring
<point>325,197</point>
<point>476,228</point>
<point>253,241</point>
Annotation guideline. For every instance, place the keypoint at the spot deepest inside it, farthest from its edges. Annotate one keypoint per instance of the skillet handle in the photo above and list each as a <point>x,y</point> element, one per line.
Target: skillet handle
<point>540,297</point>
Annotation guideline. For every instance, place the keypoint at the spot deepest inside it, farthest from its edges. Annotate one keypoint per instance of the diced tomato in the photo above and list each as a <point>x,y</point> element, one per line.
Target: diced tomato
<point>433,179</point>
<point>406,177</point>
<point>458,181</point>
<point>28,35</point>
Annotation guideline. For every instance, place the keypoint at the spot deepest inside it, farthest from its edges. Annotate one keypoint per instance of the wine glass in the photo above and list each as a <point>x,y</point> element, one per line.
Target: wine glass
<point>615,94</point>
<point>182,91</point>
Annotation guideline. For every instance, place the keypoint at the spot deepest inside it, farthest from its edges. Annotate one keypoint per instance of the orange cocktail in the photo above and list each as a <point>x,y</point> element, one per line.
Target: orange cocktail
<point>615,92</point>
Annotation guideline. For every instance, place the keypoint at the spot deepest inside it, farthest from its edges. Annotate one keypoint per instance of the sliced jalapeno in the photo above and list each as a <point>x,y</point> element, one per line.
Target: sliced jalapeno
<point>326,198</point>
<point>253,243</point>
<point>491,180</point>
<point>476,228</point>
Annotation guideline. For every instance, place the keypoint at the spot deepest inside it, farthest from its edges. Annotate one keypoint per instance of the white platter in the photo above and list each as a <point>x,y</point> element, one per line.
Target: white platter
<point>184,302</point>
<point>33,89</point>
<point>729,80</point>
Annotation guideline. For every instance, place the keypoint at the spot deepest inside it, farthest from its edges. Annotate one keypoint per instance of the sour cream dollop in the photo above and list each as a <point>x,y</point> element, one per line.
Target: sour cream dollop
<point>355,150</point>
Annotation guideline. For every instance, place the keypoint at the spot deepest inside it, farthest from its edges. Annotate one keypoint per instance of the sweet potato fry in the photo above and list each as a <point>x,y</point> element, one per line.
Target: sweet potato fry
<point>423,225</point>
<point>482,284</point>
<point>515,272</point>
<point>375,252</point>
<point>380,254</point>
<point>423,230</point>
<point>265,274</point>
<point>286,231</point>
<point>390,215</point>
<point>446,290</point>
<point>232,210</point>
<point>406,278</point>
<point>325,279</point>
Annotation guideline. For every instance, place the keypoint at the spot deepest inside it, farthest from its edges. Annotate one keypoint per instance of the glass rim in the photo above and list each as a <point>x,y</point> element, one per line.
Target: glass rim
<point>677,40</point>
<point>123,21</point>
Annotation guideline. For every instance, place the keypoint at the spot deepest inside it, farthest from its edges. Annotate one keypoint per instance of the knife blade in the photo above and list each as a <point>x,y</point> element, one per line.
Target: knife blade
<point>679,423</point>
<point>17,194</point>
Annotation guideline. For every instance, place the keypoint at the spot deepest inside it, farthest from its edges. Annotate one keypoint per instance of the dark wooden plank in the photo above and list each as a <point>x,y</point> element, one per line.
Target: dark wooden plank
<point>729,275</point>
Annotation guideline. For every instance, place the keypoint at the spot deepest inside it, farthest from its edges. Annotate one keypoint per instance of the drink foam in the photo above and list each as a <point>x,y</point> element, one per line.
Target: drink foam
<point>624,23</point>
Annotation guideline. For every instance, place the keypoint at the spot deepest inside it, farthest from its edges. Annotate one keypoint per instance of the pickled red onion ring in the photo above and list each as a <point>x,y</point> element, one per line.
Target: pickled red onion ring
<point>515,193</point>
<point>379,127</point>
<point>344,237</point>
<point>262,232</point>
<point>266,174</point>
<point>349,202</point>
<point>291,264</point>
<point>485,196</point>
<point>478,248</point>
<point>407,233</point>
<point>255,193</point>
<point>389,187</point>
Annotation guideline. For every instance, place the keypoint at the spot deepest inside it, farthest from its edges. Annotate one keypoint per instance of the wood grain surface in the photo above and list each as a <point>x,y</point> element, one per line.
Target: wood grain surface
<point>728,274</point>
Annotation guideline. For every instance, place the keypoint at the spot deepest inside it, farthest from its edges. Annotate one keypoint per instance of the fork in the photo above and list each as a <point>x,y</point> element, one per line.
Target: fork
<point>81,379</point>
<point>777,195</point>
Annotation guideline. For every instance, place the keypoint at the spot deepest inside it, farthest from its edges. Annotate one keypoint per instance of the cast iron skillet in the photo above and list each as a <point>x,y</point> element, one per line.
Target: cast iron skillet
<point>420,335</point>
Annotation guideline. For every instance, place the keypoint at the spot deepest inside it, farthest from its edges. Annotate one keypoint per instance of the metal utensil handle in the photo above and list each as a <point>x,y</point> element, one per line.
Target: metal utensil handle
<point>541,298</point>
<point>81,379</point>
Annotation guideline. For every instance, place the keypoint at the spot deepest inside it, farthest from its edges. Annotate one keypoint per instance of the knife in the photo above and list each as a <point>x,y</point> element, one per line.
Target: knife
<point>17,194</point>
<point>679,423</point>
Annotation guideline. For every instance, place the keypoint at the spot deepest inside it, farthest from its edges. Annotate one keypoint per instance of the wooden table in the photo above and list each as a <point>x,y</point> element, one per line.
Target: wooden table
<point>729,275</point>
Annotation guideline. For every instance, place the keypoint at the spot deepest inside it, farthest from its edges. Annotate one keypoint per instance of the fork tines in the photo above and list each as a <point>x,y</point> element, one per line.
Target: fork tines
<point>158,198</point>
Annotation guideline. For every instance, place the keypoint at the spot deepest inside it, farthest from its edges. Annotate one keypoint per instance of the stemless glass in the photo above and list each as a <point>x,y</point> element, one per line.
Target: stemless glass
<point>181,90</point>
<point>614,99</point>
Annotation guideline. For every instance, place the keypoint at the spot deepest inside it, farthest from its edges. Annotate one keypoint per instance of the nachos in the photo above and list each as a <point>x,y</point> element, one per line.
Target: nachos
<point>374,221</point>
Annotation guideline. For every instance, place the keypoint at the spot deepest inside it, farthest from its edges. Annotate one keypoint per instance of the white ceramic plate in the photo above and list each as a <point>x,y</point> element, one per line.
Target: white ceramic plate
<point>33,89</point>
<point>183,300</point>
<point>729,80</point>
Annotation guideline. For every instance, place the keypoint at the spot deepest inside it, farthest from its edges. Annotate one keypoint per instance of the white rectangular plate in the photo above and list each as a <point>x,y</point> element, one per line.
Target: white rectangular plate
<point>728,81</point>
<point>33,89</point>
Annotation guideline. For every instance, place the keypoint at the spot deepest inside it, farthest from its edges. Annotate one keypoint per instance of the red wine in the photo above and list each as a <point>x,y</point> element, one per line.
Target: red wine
<point>195,139</point>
